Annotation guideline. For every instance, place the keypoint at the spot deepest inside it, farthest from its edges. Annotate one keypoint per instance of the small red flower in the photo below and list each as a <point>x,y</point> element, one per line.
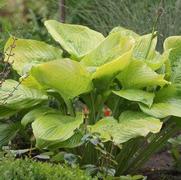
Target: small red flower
<point>107,111</point>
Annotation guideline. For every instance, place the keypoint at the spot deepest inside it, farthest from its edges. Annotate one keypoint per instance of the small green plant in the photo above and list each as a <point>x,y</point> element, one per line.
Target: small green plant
<point>63,92</point>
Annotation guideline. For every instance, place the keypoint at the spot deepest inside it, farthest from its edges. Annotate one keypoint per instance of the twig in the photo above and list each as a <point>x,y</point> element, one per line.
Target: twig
<point>14,89</point>
<point>7,69</point>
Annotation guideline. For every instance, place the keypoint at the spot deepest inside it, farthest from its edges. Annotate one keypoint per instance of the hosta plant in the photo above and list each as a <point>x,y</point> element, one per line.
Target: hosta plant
<point>64,91</point>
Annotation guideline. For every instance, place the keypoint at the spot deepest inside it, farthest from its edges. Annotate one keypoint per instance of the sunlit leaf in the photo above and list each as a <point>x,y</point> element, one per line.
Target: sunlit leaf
<point>68,77</point>
<point>77,40</point>
<point>107,72</point>
<point>110,49</point>
<point>139,75</point>
<point>131,125</point>
<point>28,52</point>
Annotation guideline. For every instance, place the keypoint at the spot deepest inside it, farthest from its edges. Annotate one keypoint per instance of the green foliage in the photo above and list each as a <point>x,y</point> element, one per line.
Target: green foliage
<point>31,170</point>
<point>122,71</point>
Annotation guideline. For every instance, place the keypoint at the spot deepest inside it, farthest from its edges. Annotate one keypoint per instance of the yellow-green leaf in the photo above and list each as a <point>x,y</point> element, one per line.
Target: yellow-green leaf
<point>77,40</point>
<point>18,97</point>
<point>106,73</point>
<point>139,75</point>
<point>29,52</point>
<point>131,125</point>
<point>67,77</point>
<point>110,49</point>
<point>53,127</point>
<point>144,47</point>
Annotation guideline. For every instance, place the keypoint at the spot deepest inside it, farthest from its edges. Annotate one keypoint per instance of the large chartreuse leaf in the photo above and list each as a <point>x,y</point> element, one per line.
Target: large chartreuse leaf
<point>167,102</point>
<point>16,97</point>
<point>54,127</point>
<point>136,95</point>
<point>77,40</point>
<point>28,52</point>
<point>130,125</point>
<point>68,77</point>
<point>106,73</point>
<point>139,75</point>
<point>110,49</point>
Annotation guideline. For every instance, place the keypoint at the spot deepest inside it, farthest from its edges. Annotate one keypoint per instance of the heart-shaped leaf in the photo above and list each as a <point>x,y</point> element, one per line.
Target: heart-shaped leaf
<point>131,125</point>
<point>77,40</point>
<point>68,77</point>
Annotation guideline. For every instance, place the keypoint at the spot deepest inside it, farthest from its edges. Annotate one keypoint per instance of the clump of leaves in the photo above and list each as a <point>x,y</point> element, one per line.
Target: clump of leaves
<point>122,71</point>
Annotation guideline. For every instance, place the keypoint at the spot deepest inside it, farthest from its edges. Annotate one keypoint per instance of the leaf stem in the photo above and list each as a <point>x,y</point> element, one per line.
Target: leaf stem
<point>159,13</point>
<point>92,110</point>
<point>70,107</point>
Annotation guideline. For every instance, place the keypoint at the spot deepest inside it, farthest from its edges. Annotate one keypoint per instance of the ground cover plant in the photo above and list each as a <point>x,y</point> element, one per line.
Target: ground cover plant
<point>106,103</point>
<point>31,170</point>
